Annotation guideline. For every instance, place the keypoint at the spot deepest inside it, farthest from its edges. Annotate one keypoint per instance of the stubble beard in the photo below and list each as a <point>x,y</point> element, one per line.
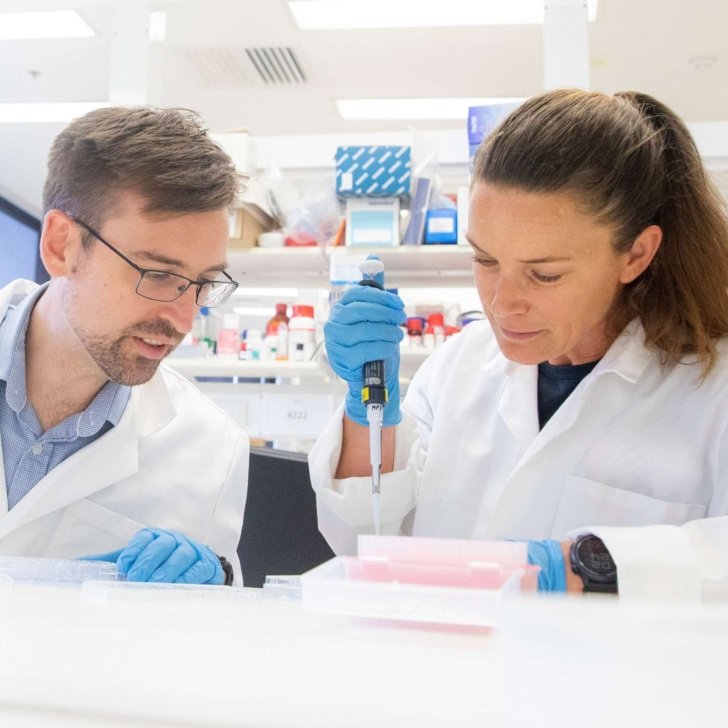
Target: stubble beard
<point>111,355</point>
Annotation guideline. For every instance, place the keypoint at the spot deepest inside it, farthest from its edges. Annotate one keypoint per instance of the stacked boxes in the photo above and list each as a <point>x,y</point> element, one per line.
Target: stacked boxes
<point>373,171</point>
<point>372,179</point>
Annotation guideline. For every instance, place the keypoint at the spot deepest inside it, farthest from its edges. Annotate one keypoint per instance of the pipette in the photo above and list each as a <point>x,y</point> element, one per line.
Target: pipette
<point>374,397</point>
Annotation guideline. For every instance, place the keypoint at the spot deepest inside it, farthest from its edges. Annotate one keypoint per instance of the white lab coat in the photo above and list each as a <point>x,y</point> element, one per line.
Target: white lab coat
<point>636,444</point>
<point>174,461</point>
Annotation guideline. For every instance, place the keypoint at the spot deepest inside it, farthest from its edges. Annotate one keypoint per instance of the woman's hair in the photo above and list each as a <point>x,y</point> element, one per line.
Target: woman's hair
<point>165,155</point>
<point>631,162</point>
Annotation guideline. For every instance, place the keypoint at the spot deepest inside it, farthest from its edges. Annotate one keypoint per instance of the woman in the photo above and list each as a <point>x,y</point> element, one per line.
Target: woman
<point>595,397</point>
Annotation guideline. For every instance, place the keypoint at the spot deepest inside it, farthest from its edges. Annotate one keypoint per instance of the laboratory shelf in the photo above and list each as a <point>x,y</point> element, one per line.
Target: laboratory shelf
<point>410,359</point>
<point>405,266</point>
<point>309,371</point>
<point>215,367</point>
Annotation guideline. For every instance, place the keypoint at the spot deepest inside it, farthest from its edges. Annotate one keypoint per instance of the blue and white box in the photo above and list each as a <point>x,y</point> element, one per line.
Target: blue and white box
<point>482,120</point>
<point>372,222</point>
<point>441,225</point>
<point>373,171</point>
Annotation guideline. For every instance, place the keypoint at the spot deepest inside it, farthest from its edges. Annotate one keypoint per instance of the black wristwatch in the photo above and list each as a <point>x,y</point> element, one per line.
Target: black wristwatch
<point>591,560</point>
<point>227,568</point>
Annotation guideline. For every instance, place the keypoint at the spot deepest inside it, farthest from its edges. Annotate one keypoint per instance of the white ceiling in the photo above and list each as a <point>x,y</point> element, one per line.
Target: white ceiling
<point>675,50</point>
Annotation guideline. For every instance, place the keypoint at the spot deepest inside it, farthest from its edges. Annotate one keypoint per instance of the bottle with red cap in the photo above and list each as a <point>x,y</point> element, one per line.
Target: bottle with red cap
<point>276,332</point>
<point>414,330</point>
<point>436,326</point>
<point>301,333</point>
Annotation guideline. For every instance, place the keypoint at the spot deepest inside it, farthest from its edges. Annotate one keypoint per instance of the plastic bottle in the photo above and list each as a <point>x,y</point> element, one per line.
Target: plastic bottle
<point>414,331</point>
<point>228,337</point>
<point>436,322</point>
<point>254,345</point>
<point>197,334</point>
<point>203,332</point>
<point>276,332</point>
<point>298,354</point>
<point>405,337</point>
<point>301,330</point>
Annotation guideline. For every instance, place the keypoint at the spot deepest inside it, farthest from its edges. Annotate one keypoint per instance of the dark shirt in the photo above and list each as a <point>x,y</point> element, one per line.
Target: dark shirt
<point>555,383</point>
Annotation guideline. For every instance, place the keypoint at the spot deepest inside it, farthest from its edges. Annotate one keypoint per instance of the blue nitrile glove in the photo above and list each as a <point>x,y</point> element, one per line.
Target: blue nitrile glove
<point>548,555</point>
<point>364,326</point>
<point>166,556</point>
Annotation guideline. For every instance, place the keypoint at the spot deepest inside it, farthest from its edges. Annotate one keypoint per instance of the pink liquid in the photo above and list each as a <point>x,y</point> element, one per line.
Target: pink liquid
<point>473,575</point>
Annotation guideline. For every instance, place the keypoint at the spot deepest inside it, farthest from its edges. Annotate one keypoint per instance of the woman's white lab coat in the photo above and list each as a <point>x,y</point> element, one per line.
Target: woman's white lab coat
<point>174,461</point>
<point>635,445</point>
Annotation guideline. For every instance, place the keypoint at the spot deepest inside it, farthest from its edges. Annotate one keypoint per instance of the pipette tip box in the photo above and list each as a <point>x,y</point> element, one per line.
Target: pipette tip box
<point>421,580</point>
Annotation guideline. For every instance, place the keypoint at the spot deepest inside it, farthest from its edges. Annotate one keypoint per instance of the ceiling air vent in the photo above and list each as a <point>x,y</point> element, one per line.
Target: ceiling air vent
<point>221,67</point>
<point>276,65</point>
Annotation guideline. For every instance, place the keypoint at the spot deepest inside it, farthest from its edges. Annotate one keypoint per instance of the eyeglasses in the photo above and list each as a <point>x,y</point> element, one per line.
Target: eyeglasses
<point>160,285</point>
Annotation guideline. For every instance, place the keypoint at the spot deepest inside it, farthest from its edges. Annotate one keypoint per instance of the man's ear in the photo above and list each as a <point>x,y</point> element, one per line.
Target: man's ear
<point>641,254</point>
<point>60,244</point>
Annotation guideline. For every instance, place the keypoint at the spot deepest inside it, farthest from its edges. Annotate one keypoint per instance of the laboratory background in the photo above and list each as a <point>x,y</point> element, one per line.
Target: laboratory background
<point>293,97</point>
<point>355,124</point>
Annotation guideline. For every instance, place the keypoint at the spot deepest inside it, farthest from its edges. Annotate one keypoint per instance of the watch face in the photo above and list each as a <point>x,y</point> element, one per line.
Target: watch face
<point>595,560</point>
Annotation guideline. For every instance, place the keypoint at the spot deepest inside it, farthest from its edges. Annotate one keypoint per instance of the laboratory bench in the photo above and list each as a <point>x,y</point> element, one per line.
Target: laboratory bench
<point>82,657</point>
<point>111,656</point>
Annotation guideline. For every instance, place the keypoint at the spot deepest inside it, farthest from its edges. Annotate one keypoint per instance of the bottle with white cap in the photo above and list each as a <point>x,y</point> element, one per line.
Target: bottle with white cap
<point>301,330</point>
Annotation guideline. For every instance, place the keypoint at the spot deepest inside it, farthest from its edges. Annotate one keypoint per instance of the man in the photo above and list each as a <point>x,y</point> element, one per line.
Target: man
<point>104,448</point>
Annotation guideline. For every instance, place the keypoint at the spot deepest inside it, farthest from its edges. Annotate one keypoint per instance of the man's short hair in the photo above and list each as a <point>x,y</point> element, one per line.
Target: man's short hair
<point>164,155</point>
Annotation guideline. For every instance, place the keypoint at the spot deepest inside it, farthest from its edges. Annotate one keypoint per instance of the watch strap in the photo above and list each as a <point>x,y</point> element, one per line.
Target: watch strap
<point>227,568</point>
<point>593,586</point>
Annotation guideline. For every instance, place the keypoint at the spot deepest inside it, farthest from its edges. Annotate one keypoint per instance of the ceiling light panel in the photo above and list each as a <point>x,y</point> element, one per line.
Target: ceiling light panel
<point>350,14</point>
<point>51,24</point>
<point>413,109</point>
<point>157,25</point>
<point>23,113</point>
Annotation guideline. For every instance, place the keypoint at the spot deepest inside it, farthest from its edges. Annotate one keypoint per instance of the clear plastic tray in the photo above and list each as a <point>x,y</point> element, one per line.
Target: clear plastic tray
<point>59,571</point>
<point>421,580</point>
<point>142,590</point>
<point>282,586</point>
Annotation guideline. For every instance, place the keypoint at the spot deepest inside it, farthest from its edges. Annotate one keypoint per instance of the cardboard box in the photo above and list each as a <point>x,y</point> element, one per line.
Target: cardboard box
<point>246,223</point>
<point>373,171</point>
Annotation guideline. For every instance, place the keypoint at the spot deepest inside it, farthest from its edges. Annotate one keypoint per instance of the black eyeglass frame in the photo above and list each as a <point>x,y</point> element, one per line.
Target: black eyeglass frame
<point>233,285</point>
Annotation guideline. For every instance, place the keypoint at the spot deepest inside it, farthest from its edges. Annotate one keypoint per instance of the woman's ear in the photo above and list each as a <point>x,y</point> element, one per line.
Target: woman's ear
<point>60,243</point>
<point>640,255</point>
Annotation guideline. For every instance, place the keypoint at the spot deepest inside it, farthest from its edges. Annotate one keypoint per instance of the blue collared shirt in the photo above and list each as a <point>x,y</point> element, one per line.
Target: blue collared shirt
<point>28,452</point>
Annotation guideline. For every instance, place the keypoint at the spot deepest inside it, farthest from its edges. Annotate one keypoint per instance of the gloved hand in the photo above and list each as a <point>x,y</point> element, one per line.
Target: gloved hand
<point>165,556</point>
<point>548,555</point>
<point>364,326</point>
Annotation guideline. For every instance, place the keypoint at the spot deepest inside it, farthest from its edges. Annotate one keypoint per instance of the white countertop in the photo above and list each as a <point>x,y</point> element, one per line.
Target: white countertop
<point>175,659</point>
<point>221,657</point>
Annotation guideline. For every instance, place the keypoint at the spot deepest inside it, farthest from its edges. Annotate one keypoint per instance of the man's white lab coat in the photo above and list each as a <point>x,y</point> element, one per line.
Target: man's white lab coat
<point>174,461</point>
<point>637,444</point>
